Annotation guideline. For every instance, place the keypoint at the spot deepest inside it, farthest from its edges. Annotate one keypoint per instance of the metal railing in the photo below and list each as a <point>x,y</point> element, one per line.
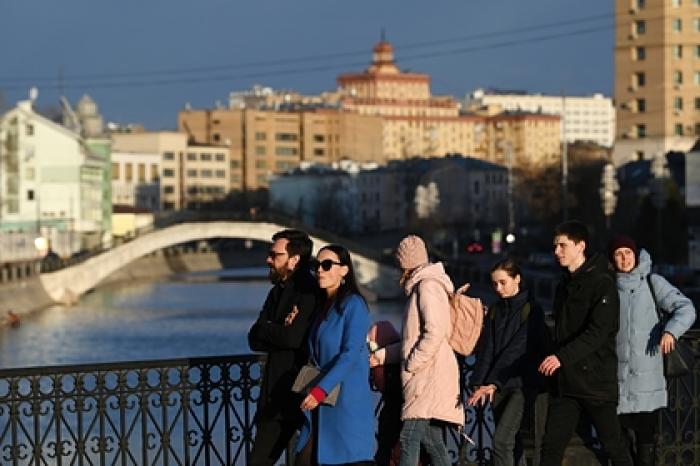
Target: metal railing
<point>199,412</point>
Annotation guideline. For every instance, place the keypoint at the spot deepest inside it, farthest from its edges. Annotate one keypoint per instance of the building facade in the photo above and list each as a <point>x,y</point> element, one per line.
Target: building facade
<point>136,180</point>
<point>657,77</point>
<point>190,173</point>
<point>589,118</point>
<point>265,142</point>
<point>358,198</point>
<point>52,180</point>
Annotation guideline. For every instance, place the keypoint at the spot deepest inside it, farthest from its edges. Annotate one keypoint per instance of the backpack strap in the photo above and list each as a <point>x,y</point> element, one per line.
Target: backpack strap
<point>656,302</point>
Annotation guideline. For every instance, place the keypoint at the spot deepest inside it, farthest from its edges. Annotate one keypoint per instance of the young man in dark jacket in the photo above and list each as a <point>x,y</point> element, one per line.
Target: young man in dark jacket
<point>584,363</point>
<point>281,332</point>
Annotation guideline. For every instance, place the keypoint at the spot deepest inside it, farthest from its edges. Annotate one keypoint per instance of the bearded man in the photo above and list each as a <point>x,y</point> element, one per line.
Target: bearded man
<point>281,331</point>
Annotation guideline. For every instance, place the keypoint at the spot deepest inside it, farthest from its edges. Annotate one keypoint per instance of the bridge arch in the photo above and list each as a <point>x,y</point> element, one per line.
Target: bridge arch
<point>67,285</point>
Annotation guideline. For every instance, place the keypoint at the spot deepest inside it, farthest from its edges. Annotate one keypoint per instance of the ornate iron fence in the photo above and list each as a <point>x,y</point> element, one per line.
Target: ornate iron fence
<point>199,412</point>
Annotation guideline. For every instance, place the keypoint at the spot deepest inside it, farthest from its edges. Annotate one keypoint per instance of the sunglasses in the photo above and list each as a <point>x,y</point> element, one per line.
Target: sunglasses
<point>325,264</point>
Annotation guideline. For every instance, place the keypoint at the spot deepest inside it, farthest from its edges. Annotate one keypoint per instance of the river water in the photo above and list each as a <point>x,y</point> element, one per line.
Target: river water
<point>188,315</point>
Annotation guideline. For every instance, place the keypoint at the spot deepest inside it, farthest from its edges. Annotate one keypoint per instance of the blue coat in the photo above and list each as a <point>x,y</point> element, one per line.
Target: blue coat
<point>640,365</point>
<point>338,345</point>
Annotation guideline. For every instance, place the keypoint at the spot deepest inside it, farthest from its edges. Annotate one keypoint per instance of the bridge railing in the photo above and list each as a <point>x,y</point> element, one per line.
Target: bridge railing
<point>199,411</point>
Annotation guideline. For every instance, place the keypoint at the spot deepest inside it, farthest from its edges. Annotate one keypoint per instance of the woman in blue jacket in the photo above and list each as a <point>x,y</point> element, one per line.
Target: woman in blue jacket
<point>641,341</point>
<point>344,433</point>
<point>509,350</point>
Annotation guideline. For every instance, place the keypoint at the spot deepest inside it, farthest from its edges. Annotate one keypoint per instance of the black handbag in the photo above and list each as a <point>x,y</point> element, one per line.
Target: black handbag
<point>308,377</point>
<point>675,362</point>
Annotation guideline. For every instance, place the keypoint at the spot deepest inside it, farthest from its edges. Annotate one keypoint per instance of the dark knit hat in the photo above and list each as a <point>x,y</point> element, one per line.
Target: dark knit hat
<point>622,241</point>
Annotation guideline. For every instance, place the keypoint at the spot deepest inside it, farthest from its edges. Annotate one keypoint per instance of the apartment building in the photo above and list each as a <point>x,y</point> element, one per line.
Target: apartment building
<point>265,142</point>
<point>583,118</point>
<point>657,77</point>
<point>190,173</point>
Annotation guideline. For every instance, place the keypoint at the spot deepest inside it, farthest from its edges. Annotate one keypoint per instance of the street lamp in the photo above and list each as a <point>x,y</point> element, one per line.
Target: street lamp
<point>608,192</point>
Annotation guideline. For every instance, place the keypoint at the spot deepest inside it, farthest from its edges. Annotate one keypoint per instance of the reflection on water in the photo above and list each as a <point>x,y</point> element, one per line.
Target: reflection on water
<point>202,314</point>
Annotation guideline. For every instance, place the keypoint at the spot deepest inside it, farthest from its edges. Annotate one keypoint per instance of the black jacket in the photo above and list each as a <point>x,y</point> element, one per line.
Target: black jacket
<point>586,320</point>
<point>511,345</point>
<point>285,345</point>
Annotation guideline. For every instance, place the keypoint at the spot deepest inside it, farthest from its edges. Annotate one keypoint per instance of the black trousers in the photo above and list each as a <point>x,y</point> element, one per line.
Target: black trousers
<point>272,437</point>
<point>562,416</point>
<point>644,425</point>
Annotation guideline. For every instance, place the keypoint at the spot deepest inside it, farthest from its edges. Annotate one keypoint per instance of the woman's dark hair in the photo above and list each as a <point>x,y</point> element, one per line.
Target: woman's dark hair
<point>509,266</point>
<point>349,284</point>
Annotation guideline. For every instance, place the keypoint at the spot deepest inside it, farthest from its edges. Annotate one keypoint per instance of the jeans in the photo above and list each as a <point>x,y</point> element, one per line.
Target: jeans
<point>562,416</point>
<point>508,410</point>
<point>417,432</point>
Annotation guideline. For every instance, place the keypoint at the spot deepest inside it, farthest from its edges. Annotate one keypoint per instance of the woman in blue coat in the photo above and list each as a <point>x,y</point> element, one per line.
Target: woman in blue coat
<point>642,340</point>
<point>344,433</point>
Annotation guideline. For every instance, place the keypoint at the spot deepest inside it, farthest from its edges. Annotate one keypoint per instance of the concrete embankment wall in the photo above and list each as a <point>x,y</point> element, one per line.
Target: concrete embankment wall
<point>25,296</point>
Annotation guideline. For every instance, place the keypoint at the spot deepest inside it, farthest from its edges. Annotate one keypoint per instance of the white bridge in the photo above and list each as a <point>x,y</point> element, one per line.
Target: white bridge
<point>67,285</point>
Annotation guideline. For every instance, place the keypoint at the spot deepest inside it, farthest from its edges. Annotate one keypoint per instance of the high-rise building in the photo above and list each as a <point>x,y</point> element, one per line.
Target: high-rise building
<point>657,77</point>
<point>416,123</point>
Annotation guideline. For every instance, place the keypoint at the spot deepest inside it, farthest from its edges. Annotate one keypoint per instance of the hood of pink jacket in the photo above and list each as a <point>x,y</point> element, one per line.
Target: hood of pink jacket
<point>432,271</point>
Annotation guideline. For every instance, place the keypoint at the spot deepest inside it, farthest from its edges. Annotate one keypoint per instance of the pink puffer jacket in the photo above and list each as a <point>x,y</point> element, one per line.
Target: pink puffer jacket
<point>430,372</point>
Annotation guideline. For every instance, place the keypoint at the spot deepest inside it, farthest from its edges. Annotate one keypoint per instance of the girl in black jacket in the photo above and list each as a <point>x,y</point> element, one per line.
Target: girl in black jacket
<point>509,351</point>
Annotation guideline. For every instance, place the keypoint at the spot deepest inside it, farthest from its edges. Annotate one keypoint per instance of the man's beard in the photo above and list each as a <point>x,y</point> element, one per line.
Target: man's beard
<point>278,275</point>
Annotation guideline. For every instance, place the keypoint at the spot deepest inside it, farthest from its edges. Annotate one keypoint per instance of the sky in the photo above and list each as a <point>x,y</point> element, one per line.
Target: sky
<point>143,60</point>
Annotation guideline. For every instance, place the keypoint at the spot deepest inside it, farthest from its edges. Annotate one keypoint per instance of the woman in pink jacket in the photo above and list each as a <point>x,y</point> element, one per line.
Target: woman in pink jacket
<point>430,372</point>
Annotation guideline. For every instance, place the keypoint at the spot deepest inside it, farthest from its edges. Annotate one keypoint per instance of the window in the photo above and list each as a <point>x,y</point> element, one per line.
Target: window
<point>168,156</point>
<point>640,27</point>
<point>260,136</point>
<point>29,173</point>
<point>640,3</point>
<point>696,24</point>
<point>30,194</point>
<point>205,173</point>
<point>216,137</point>
<point>168,173</point>
<point>641,131</point>
<point>286,151</point>
<point>677,25</point>
<point>677,78</point>
<point>677,51</point>
<point>697,129</point>
<point>260,164</point>
<point>220,157</point>
<point>476,187</point>
<point>678,103</point>
<point>675,3</point>
<point>260,150</point>
<point>221,173</point>
<point>640,53</point>
<point>205,157</point>
<point>262,179</point>
<point>696,78</point>
<point>697,51</point>
<point>115,171</point>
<point>641,105</point>
<point>640,79</point>
<point>285,166</point>
<point>319,152</point>
<point>168,206</point>
<point>697,103</point>
<point>319,138</point>
<point>235,164</point>
<point>678,129</point>
<point>167,189</point>
<point>191,173</point>
<point>129,171</point>
<point>142,172</point>
<point>155,177</point>
<point>191,156</point>
<point>286,137</point>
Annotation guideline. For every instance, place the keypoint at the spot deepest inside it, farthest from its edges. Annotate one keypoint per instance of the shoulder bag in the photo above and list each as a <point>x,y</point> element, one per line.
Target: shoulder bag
<point>675,364</point>
<point>308,377</point>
